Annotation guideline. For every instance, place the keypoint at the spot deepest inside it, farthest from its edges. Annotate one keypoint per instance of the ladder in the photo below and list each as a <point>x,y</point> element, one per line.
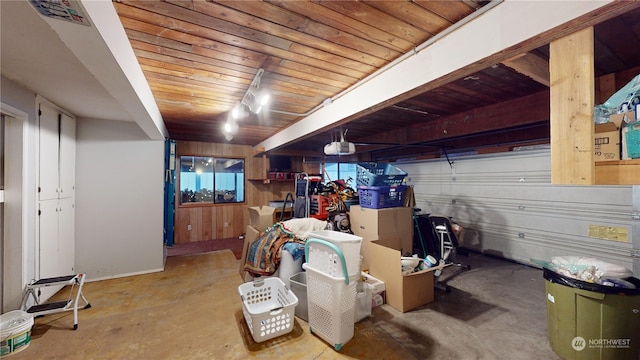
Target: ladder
<point>76,282</point>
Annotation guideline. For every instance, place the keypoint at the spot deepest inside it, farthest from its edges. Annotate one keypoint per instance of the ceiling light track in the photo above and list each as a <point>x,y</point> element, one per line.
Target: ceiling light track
<point>254,99</point>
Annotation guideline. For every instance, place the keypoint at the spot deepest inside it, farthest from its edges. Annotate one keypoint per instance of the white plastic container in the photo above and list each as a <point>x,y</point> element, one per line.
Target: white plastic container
<point>331,302</point>
<point>268,307</point>
<point>15,332</point>
<point>323,258</point>
<point>363,303</point>
<point>376,287</point>
<point>298,284</point>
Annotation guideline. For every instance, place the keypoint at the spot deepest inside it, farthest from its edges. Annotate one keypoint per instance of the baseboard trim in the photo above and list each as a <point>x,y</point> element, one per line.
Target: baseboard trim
<point>89,279</point>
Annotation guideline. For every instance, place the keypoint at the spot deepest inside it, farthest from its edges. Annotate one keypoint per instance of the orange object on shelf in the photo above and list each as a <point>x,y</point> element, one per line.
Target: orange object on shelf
<point>318,207</point>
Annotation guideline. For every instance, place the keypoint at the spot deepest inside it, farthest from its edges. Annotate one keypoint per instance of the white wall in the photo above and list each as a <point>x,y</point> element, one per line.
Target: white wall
<point>511,209</point>
<point>19,207</point>
<point>119,200</point>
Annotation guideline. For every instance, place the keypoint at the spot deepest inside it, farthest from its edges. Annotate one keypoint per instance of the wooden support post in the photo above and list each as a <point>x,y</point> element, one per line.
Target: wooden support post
<point>571,70</point>
<point>265,166</point>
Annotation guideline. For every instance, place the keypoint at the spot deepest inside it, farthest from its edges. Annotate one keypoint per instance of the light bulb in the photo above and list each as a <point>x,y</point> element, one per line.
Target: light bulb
<point>264,99</point>
<point>231,127</point>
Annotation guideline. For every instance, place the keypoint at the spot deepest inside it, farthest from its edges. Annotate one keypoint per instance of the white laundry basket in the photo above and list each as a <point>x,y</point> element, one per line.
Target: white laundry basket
<point>268,307</point>
<point>330,299</point>
<point>331,303</point>
<point>323,257</point>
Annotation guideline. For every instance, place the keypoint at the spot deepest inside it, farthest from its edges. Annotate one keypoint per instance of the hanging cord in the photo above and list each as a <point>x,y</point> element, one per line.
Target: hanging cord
<point>284,205</point>
<point>447,156</point>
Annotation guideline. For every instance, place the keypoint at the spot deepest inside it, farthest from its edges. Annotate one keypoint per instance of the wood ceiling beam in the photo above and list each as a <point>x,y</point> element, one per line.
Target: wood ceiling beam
<point>481,143</point>
<point>518,112</point>
<point>531,65</point>
<point>462,52</point>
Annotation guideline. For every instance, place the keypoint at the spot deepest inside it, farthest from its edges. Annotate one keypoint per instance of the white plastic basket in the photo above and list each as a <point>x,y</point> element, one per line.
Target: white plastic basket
<point>331,302</point>
<point>324,258</point>
<point>268,307</point>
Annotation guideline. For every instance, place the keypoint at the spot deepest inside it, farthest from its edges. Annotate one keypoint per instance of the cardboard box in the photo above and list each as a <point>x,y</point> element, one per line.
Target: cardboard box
<point>625,117</point>
<point>261,217</point>
<point>607,142</point>
<point>250,236</point>
<point>403,292</point>
<point>374,224</point>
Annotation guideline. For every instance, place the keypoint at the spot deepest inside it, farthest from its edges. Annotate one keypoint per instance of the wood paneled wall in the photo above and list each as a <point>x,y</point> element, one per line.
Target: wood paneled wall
<point>220,221</point>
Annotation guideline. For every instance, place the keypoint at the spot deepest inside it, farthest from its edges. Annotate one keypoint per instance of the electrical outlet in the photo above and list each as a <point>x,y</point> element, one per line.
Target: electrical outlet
<point>189,227</point>
<point>226,224</point>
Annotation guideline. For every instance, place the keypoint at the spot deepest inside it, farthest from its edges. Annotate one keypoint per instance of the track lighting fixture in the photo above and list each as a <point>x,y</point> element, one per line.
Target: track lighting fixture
<point>254,99</point>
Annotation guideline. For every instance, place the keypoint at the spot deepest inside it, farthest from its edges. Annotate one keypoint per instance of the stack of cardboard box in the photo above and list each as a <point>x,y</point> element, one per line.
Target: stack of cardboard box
<point>388,235</point>
<point>615,140</point>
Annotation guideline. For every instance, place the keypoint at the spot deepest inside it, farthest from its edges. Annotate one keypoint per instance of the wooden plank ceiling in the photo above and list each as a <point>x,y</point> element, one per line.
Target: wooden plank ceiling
<point>200,57</point>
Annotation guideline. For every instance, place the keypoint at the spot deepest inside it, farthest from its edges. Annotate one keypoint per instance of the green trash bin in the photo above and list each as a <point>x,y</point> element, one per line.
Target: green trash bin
<point>591,321</point>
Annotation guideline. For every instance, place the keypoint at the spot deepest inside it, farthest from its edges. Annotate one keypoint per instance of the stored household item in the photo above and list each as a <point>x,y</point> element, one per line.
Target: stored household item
<point>268,307</point>
<point>430,261</point>
<point>298,284</point>
<point>15,331</point>
<point>348,203</point>
<point>261,217</point>
<point>403,292</point>
<point>409,264</point>
<point>606,142</point>
<point>71,304</point>
<point>591,321</point>
<point>372,224</point>
<point>363,305</point>
<point>435,238</point>
<point>585,268</point>
<point>319,207</point>
<point>288,267</point>
<point>373,174</point>
<point>631,141</point>
<point>376,287</point>
<point>622,100</point>
<point>325,259</point>
<point>381,197</point>
<point>331,302</point>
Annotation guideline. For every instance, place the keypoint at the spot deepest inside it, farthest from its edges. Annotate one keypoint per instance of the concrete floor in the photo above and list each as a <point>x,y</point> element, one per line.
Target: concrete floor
<point>192,310</point>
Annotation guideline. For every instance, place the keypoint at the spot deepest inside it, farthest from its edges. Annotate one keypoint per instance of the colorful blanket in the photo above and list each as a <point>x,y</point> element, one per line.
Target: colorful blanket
<point>265,253</point>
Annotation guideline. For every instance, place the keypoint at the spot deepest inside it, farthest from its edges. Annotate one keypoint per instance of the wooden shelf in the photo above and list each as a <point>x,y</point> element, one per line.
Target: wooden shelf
<point>269,181</point>
<point>617,172</point>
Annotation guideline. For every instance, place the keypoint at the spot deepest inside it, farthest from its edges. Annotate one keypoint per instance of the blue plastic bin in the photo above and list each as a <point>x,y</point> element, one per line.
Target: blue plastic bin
<point>373,174</point>
<point>381,197</point>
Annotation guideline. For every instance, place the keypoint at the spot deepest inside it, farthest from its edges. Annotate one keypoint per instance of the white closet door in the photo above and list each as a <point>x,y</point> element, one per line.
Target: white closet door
<point>48,249</point>
<point>66,236</point>
<point>67,156</point>
<point>49,151</point>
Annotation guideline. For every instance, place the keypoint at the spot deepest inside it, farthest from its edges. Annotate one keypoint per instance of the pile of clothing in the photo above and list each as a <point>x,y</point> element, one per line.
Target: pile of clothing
<point>265,253</point>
